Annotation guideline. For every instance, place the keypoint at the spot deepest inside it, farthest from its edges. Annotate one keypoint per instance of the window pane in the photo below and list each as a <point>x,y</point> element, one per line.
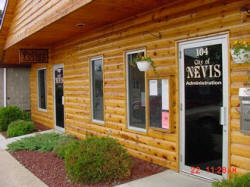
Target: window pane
<point>97,89</point>
<point>136,84</point>
<point>41,88</point>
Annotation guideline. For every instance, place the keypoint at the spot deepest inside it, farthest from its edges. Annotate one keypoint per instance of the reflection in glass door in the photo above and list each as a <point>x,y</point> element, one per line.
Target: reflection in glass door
<point>203,103</point>
<point>59,97</point>
<point>203,100</point>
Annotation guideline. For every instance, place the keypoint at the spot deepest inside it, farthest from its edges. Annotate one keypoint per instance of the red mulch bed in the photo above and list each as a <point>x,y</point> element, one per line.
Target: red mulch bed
<point>50,169</point>
<point>38,128</point>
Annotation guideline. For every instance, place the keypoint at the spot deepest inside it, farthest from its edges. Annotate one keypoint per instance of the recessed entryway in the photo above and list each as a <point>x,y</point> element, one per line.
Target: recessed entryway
<point>204,107</point>
<point>59,97</point>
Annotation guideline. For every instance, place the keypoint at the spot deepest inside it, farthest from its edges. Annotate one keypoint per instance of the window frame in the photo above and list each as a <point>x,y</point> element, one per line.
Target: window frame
<point>45,88</point>
<point>170,79</point>
<point>129,127</point>
<point>101,122</point>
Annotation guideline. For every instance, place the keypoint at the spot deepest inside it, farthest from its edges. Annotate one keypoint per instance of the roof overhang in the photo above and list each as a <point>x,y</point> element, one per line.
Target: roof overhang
<point>93,15</point>
<point>8,14</point>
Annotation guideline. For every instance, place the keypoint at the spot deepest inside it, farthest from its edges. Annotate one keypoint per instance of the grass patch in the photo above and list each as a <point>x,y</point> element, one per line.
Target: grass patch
<point>40,142</point>
<point>236,181</point>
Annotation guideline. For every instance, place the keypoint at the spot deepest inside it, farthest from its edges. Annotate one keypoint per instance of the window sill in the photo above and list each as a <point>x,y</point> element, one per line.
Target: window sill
<point>155,129</point>
<point>137,130</point>
<point>99,122</point>
<point>42,110</point>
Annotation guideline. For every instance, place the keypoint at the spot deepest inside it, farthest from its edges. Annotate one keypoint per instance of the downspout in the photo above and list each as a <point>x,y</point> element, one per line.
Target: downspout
<point>4,88</point>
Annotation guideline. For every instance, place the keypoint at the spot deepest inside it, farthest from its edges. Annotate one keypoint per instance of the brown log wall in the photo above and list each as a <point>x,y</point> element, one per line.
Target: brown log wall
<point>180,22</point>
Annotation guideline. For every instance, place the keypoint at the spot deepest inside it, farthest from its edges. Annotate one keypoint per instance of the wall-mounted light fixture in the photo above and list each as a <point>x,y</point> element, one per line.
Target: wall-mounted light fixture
<point>80,24</point>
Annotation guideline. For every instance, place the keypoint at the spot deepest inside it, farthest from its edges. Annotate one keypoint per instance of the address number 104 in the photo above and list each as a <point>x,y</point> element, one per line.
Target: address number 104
<point>201,51</point>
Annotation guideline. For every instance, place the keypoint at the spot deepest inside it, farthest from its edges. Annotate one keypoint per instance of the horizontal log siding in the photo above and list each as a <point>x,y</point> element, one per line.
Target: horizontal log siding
<point>174,23</point>
<point>240,143</point>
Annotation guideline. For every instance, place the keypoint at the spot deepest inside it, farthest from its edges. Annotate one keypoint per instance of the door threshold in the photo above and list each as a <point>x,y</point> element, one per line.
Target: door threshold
<point>198,176</point>
<point>61,130</point>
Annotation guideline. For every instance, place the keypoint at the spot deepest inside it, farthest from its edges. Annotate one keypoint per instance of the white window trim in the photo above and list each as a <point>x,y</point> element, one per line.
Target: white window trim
<point>91,90</point>
<point>42,109</point>
<point>127,90</point>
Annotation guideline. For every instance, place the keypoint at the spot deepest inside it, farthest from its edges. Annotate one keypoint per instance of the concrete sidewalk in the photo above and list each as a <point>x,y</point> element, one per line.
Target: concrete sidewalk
<point>168,178</point>
<point>13,174</point>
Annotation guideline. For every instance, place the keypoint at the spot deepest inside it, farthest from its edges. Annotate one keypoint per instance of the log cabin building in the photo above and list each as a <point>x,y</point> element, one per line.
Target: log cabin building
<point>184,116</point>
<point>14,82</point>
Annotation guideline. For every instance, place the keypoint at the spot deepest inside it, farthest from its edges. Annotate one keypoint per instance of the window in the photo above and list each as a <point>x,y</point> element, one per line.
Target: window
<point>97,89</point>
<point>136,94</point>
<point>42,89</point>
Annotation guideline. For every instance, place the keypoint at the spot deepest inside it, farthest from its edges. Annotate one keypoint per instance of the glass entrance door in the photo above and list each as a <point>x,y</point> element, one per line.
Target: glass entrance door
<point>59,97</point>
<point>203,101</point>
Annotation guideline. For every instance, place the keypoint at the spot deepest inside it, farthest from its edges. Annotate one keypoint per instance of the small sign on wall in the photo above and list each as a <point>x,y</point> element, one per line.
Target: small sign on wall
<point>165,96</point>
<point>165,120</point>
<point>153,87</point>
<point>33,56</point>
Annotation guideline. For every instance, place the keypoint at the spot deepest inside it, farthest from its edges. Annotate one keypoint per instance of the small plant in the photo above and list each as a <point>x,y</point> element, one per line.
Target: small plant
<point>20,127</point>
<point>26,116</point>
<point>41,142</point>
<point>96,160</point>
<point>61,146</point>
<point>241,51</point>
<point>236,181</point>
<point>140,58</point>
<point>9,114</point>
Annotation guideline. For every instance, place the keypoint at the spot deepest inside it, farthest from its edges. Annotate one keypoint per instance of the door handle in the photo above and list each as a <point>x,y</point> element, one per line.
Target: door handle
<point>62,100</point>
<point>222,115</point>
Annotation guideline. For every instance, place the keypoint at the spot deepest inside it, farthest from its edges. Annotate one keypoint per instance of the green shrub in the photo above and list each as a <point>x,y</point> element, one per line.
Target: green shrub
<point>41,142</point>
<point>96,160</point>
<point>61,146</point>
<point>26,116</point>
<point>236,181</point>
<point>9,114</point>
<point>20,127</point>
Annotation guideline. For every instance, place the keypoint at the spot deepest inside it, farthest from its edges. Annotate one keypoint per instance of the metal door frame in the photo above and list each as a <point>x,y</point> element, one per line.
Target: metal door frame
<point>54,86</point>
<point>222,39</point>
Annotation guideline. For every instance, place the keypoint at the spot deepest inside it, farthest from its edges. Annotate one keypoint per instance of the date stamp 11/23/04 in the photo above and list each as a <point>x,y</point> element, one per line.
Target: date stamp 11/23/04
<point>215,170</point>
